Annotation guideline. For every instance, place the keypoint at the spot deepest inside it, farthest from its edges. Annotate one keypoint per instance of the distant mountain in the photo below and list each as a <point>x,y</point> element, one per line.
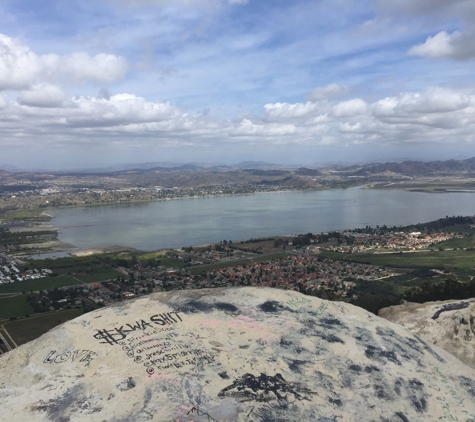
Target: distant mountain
<point>10,168</point>
<point>414,168</point>
<point>303,171</point>
<point>256,165</point>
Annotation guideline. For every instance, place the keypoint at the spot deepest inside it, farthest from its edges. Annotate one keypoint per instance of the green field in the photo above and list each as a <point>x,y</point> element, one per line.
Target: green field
<point>40,284</point>
<point>434,259</point>
<point>59,281</point>
<point>30,214</point>
<point>234,263</point>
<point>25,330</point>
<point>170,262</point>
<point>99,275</point>
<point>465,242</point>
<point>15,306</point>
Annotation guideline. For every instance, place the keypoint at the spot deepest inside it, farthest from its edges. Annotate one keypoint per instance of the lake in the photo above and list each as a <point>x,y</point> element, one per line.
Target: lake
<point>176,223</point>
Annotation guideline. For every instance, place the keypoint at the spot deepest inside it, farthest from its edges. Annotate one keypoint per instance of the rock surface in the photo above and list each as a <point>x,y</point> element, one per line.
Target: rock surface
<point>449,324</point>
<point>247,354</point>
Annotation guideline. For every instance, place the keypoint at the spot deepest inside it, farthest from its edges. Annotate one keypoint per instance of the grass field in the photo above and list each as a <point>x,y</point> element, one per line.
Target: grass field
<point>59,281</point>
<point>466,242</point>
<point>99,275</point>
<point>31,214</point>
<point>25,330</point>
<point>435,259</point>
<point>15,306</point>
<point>170,262</point>
<point>203,268</point>
<point>40,284</point>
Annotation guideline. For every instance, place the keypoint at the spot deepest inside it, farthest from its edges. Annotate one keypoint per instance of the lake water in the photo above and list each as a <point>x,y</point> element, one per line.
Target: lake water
<point>185,222</point>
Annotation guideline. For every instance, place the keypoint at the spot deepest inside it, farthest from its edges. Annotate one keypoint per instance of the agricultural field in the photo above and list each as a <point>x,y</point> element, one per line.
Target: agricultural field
<point>14,306</point>
<point>34,214</point>
<point>27,329</point>
<point>39,284</point>
<point>464,243</point>
<point>432,259</point>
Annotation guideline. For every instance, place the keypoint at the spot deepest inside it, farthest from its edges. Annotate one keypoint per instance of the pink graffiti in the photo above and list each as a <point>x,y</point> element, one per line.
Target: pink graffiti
<point>159,376</point>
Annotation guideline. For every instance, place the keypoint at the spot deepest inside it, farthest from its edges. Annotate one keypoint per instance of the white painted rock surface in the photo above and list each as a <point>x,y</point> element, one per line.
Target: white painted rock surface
<point>247,354</point>
<point>449,324</point>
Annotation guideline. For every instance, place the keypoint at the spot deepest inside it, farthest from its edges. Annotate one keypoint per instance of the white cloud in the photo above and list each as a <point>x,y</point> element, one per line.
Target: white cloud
<point>101,68</point>
<point>286,111</point>
<point>326,92</point>
<point>459,46</point>
<point>435,100</point>
<point>350,108</point>
<point>44,95</point>
<point>119,110</point>
<point>21,68</point>
<point>436,115</point>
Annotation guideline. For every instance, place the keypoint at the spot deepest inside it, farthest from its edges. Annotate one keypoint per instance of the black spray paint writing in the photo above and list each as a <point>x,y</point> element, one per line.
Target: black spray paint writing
<point>83,356</point>
<point>264,388</point>
<point>115,335</point>
<point>451,307</point>
<point>196,409</point>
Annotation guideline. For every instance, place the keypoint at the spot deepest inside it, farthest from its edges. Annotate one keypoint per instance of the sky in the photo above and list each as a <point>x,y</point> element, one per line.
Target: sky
<point>313,82</point>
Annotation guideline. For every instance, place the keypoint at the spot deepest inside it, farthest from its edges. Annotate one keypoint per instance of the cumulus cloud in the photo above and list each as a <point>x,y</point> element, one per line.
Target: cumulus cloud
<point>350,108</point>
<point>436,100</point>
<point>44,95</point>
<point>119,110</point>
<point>458,46</point>
<point>326,92</point>
<point>21,68</point>
<point>437,115</point>
<point>286,111</point>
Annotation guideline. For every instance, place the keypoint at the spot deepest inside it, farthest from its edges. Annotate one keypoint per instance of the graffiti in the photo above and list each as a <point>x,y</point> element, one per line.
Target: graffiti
<point>110,336</point>
<point>196,409</point>
<point>82,356</point>
<point>264,388</point>
<point>297,302</point>
<point>115,335</point>
<point>438,382</point>
<point>317,313</point>
<point>338,305</point>
<point>451,307</point>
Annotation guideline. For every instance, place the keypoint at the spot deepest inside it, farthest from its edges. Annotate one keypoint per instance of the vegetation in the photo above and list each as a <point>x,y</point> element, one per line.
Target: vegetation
<point>432,259</point>
<point>24,214</point>
<point>25,330</point>
<point>448,289</point>
<point>16,238</point>
<point>39,284</point>
<point>14,306</point>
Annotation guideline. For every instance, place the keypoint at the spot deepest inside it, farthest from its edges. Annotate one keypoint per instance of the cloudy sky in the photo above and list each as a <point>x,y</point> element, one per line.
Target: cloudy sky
<point>92,83</point>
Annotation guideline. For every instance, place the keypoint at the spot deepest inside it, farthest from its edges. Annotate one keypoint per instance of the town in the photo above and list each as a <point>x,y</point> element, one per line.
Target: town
<point>335,265</point>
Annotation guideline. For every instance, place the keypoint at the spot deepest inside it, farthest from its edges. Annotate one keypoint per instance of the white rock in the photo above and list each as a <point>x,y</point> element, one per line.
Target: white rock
<point>449,324</point>
<point>247,354</point>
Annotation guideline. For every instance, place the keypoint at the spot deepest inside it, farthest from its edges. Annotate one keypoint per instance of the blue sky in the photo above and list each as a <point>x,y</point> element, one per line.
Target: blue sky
<point>301,82</point>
